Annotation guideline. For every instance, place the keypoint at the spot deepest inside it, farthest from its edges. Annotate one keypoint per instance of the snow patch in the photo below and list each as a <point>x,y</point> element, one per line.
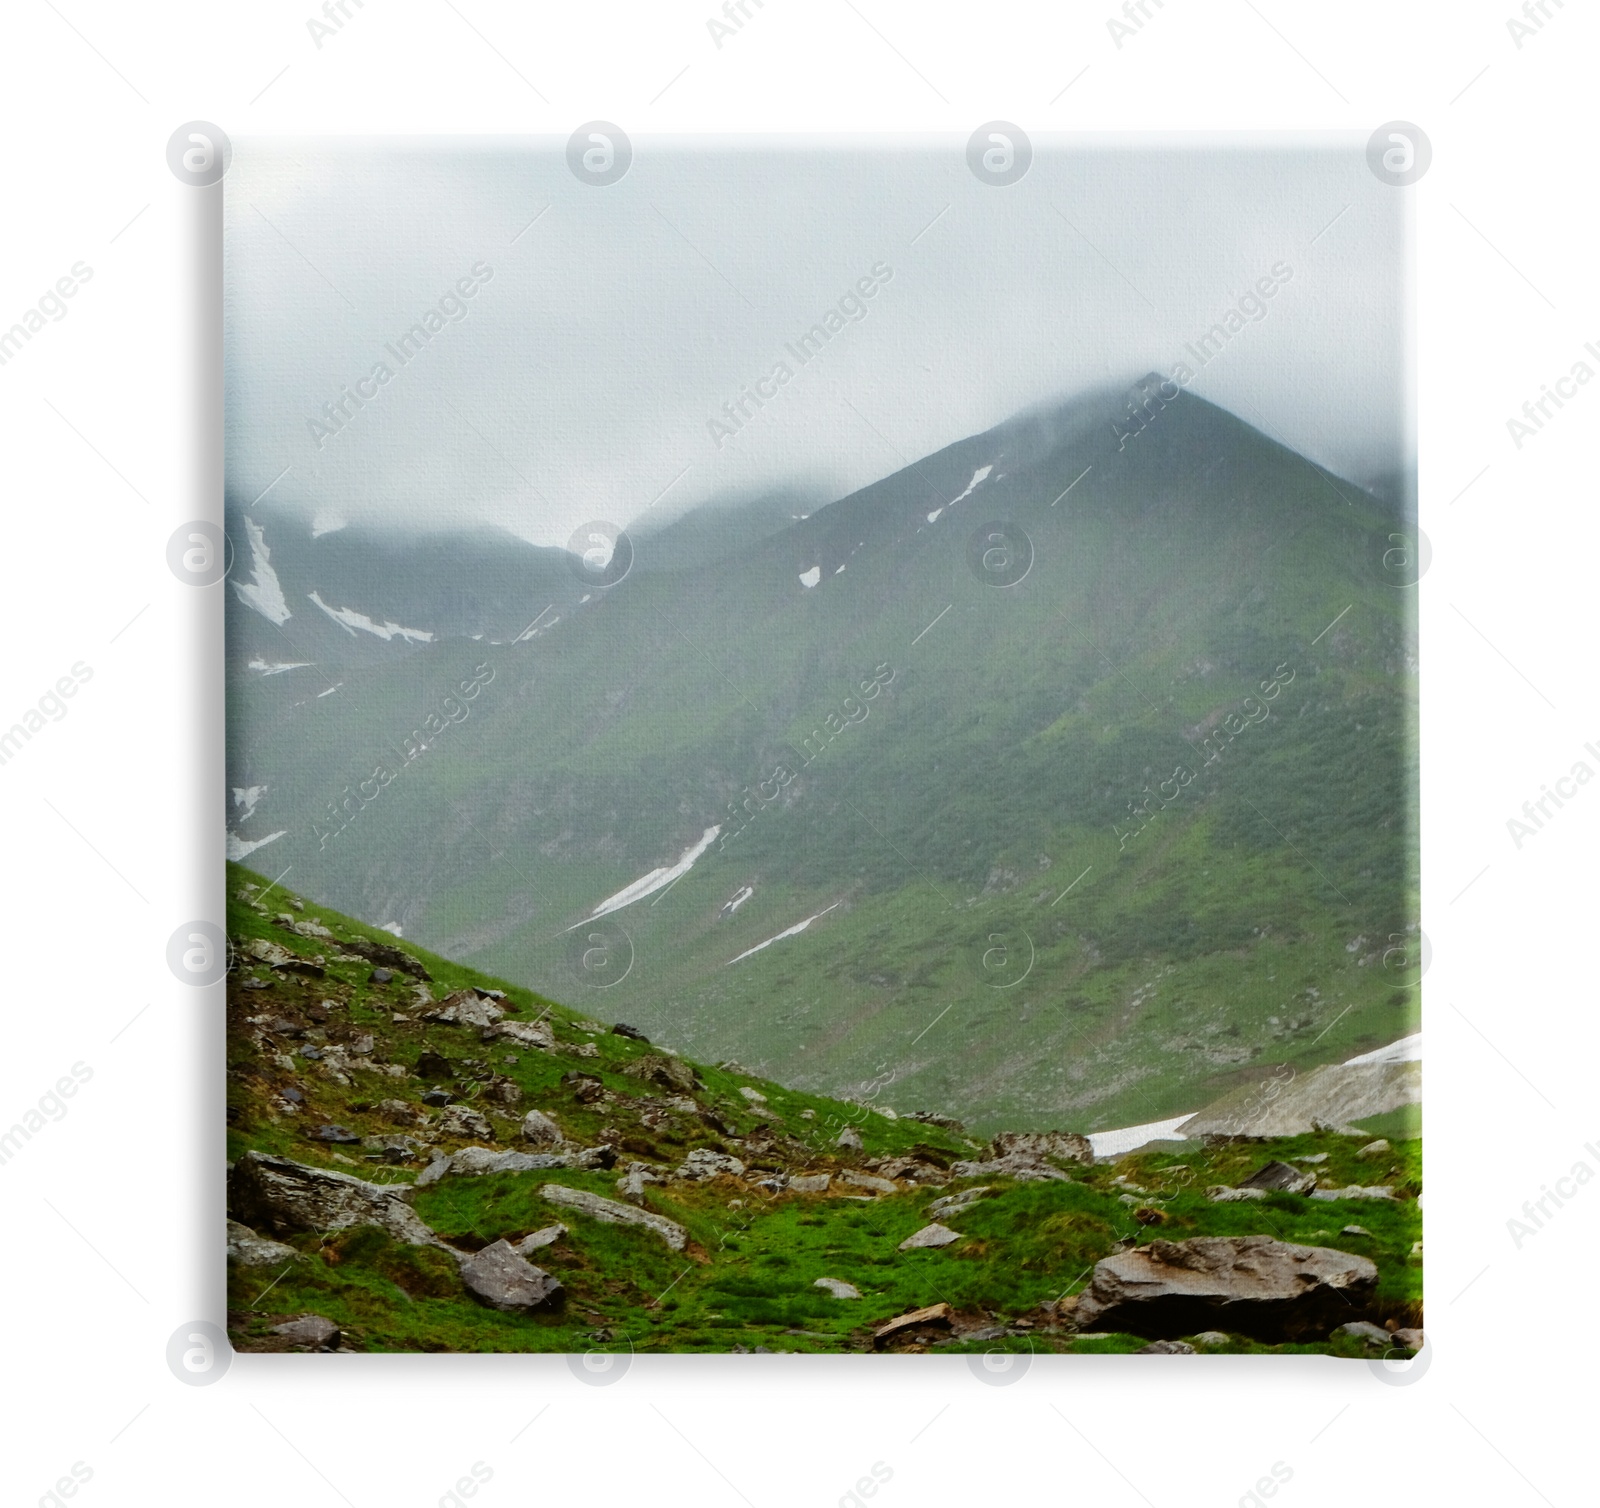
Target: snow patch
<point>393,927</point>
<point>248,796</point>
<point>1406,1050</point>
<point>329,692</point>
<point>350,620</point>
<point>241,848</point>
<point>980,475</point>
<point>1131,1138</point>
<point>793,931</point>
<point>263,591</point>
<point>811,577</point>
<point>327,523</point>
<point>657,879</point>
<point>933,517</point>
<point>277,667</point>
<point>731,906</point>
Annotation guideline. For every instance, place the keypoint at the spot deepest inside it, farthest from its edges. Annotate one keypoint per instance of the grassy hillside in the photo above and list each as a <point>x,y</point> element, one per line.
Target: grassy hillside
<point>317,1046</point>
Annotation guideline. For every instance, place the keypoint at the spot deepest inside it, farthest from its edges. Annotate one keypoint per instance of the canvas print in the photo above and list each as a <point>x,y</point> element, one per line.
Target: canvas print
<point>821,747</point>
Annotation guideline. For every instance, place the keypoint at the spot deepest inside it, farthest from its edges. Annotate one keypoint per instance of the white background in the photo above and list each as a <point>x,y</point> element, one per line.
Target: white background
<point>110,815</point>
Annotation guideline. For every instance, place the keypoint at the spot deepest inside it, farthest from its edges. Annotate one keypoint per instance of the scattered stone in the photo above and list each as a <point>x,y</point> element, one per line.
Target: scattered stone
<point>868,1181</point>
<point>343,1135</point>
<point>458,1120</point>
<point>808,1115</point>
<point>311,1331</point>
<point>437,1097</point>
<point>1355,1230</point>
<point>1373,1335</point>
<point>402,1113</point>
<point>622,1030</point>
<point>1024,1167</point>
<point>1165,1348</point>
<point>1379,1148</point>
<point>1269,1289</point>
<point>381,976</point>
<point>838,1288</point>
<point>755,1096</point>
<point>250,1250</point>
<point>930,1235</point>
<point>432,1065</point>
<point>1067,1146</point>
<point>468,1007</point>
<point>538,1128</point>
<point>388,1147</point>
<point>585,1086</point>
<point>1220,1193</point>
<point>1279,1177</point>
<point>849,1140</point>
<point>527,1034</point>
<point>809,1183</point>
<point>499,1277</point>
<point>362,1044</point>
<point>1408,1340</point>
<point>1355,1191</point>
<point>664,1072</point>
<point>935,1316</point>
<point>612,1213</point>
<point>264,950</point>
<point>388,957</point>
<point>946,1122</point>
<point>953,1204</point>
<point>548,1236</point>
<point>285,1197</point>
<point>704,1163</point>
<point>632,1183</point>
<point>1212,1339</point>
<point>1313,1159</point>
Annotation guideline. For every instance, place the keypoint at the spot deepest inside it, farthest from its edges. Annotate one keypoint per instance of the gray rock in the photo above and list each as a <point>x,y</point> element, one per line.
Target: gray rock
<point>1220,1193</point>
<point>286,1197</point>
<point>612,1213</point>
<point>342,1135</point>
<point>838,1288</point>
<point>458,1120</point>
<point>704,1163</point>
<point>250,1250</point>
<point>664,1071</point>
<point>1313,1159</point>
<point>538,1128</point>
<point>1279,1177</point>
<point>528,1033</point>
<point>1408,1340</point>
<point>392,1147</point>
<point>466,1007</point>
<point>1212,1339</point>
<point>540,1239</point>
<point>1355,1191</point>
<point>311,1331</point>
<point>264,950</point>
<point>1373,1335</point>
<point>1355,1230</point>
<point>809,1183</point>
<point>868,1181</point>
<point>1165,1348</point>
<point>632,1183</point>
<point>1019,1165</point>
<point>849,1140</point>
<point>498,1277</point>
<point>1065,1146</point>
<point>1268,1289</point>
<point>930,1235</point>
<point>953,1204</point>
<point>1378,1148</point>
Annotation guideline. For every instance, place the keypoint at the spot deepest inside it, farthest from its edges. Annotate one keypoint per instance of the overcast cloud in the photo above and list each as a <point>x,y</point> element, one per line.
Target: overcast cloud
<point>577,380</point>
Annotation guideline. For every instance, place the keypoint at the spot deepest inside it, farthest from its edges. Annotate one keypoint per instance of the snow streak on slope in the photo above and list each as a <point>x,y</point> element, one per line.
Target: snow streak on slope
<point>1406,1050</point>
<point>657,879</point>
<point>263,592</point>
<point>793,931</point>
<point>350,620</point>
<point>241,848</point>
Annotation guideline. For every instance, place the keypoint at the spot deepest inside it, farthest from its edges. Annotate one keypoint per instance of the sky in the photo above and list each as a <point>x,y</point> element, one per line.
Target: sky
<point>607,327</point>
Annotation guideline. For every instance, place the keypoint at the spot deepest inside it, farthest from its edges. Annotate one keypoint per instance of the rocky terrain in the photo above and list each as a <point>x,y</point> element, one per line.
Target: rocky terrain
<point>424,1158</point>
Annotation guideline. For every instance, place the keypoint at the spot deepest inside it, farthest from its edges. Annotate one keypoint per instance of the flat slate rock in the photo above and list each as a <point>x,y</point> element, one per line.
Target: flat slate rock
<point>499,1277</point>
<point>809,1183</point>
<point>930,1235</point>
<point>539,1239</point>
<point>838,1288</point>
<point>282,1196</point>
<point>1250,1285</point>
<point>1355,1191</point>
<point>310,1330</point>
<point>935,1315</point>
<point>1279,1177</point>
<point>1166,1348</point>
<point>250,1250</point>
<point>612,1213</point>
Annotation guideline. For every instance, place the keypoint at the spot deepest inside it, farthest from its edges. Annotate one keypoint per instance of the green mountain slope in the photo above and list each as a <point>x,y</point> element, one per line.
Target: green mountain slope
<point>1089,848</point>
<point>336,1067</point>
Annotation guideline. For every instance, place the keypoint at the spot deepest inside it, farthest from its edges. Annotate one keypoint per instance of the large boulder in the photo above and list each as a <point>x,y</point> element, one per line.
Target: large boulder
<point>612,1213</point>
<point>1057,1146</point>
<point>313,1331</point>
<point>930,1235</point>
<point>1280,1177</point>
<point>462,1121</point>
<point>498,1277</point>
<point>282,1196</point>
<point>1250,1285</point>
<point>538,1128</point>
<point>250,1250</point>
<point>383,953</point>
<point>467,1007</point>
<point>703,1163</point>
<point>664,1072</point>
